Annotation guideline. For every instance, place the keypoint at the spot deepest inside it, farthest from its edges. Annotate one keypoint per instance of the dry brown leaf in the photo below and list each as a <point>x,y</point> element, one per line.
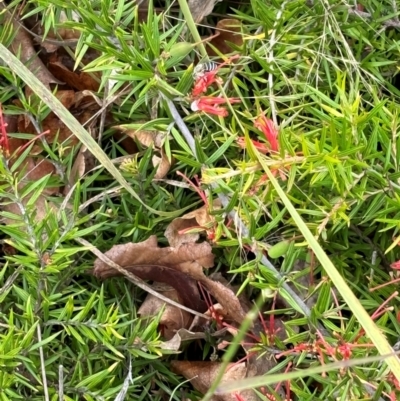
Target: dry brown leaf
<point>148,261</point>
<point>149,253</point>
<point>143,10</point>
<point>162,164</point>
<point>202,375</point>
<point>144,137</point>
<point>201,8</point>
<point>227,298</point>
<point>185,335</point>
<point>200,217</point>
<point>66,98</point>
<point>176,235</point>
<point>22,46</point>
<point>51,123</point>
<point>57,129</point>
<point>36,169</point>
<point>76,80</point>
<point>227,31</point>
<point>172,318</point>
<point>79,167</point>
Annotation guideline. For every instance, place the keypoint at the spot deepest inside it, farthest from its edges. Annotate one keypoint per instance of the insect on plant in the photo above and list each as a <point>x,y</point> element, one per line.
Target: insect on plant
<point>203,68</point>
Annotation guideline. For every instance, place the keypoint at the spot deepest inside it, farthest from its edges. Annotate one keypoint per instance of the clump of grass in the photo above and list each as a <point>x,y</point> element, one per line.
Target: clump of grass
<point>325,74</point>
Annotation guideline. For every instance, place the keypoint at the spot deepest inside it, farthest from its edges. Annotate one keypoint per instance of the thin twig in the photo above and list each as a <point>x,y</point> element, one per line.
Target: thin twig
<point>60,383</point>
<point>125,386</point>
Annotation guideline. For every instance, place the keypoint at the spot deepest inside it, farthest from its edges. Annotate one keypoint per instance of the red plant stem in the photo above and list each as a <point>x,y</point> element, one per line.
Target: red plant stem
<point>197,189</point>
<point>374,315</point>
<point>4,137</point>
<point>21,149</point>
<point>243,359</point>
<point>263,322</point>
<point>208,301</point>
<point>384,284</point>
<point>278,386</point>
<point>185,230</point>
<point>377,313</point>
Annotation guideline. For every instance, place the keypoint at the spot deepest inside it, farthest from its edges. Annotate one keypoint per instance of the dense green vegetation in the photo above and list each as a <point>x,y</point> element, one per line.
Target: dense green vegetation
<point>323,74</point>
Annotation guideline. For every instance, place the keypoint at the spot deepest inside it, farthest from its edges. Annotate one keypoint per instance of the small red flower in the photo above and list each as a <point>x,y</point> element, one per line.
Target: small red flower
<point>266,126</point>
<point>345,351</point>
<point>204,81</point>
<point>211,105</point>
<point>395,265</point>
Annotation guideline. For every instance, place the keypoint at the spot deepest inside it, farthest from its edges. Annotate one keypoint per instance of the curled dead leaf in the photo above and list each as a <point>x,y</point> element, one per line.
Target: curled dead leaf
<point>230,303</point>
<point>162,164</point>
<point>146,138</point>
<point>175,232</point>
<point>172,318</point>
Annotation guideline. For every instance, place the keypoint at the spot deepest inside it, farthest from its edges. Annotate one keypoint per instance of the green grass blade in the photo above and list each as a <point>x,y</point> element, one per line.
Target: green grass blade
<point>254,382</point>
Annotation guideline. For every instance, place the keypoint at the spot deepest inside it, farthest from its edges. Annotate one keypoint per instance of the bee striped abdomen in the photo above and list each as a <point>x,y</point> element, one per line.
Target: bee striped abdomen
<point>202,68</point>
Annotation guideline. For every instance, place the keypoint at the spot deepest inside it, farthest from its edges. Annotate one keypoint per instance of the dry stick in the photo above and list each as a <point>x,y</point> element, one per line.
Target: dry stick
<point>244,232</point>
<point>125,386</point>
<point>61,383</point>
<point>134,279</point>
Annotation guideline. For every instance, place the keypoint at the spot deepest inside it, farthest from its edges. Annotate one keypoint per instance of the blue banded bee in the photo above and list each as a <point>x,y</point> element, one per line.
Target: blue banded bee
<point>202,68</point>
